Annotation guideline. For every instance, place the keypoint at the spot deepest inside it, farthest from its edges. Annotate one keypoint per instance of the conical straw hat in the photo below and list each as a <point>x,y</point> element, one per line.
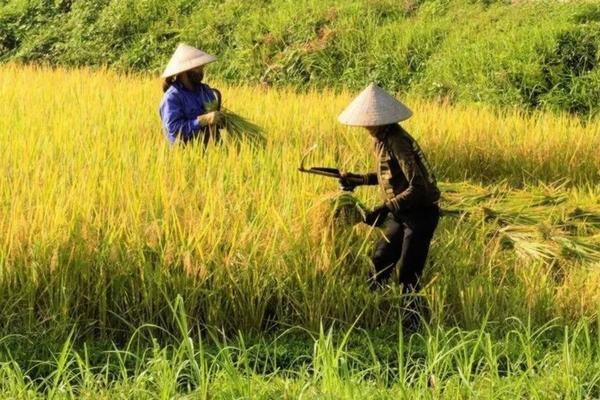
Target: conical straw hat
<point>374,107</point>
<point>185,58</point>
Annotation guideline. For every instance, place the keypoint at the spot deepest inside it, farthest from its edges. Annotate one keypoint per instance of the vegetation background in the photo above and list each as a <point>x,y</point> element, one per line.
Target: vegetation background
<point>526,54</point>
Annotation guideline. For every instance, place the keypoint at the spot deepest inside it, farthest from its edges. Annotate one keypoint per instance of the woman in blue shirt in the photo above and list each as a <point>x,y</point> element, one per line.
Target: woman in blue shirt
<point>183,106</point>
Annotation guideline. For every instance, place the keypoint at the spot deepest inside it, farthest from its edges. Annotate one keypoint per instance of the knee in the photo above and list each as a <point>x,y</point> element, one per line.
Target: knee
<point>383,259</point>
<point>379,258</point>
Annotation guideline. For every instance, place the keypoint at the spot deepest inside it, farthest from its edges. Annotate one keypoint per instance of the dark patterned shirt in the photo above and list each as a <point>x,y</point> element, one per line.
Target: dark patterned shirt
<point>403,173</point>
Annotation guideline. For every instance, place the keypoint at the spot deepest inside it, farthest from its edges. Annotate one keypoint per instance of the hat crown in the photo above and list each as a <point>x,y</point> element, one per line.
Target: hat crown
<point>185,58</point>
<point>186,52</point>
<point>374,107</point>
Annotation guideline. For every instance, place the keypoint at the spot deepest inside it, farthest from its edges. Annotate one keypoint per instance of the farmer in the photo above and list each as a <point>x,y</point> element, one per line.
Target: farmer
<point>183,106</point>
<point>409,188</point>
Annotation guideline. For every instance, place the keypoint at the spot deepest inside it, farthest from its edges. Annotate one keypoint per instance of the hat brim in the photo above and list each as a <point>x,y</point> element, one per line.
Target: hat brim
<point>373,120</point>
<point>374,107</point>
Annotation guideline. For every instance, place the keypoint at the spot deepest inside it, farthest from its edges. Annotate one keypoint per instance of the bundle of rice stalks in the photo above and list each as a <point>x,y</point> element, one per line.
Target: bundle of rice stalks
<point>238,127</point>
<point>527,243</point>
<point>547,243</point>
<point>502,202</point>
<point>333,228</point>
<point>582,221</point>
<point>463,199</point>
<point>337,211</point>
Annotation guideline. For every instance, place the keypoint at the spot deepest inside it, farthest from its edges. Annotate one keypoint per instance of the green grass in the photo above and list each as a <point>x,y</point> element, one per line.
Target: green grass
<point>504,361</point>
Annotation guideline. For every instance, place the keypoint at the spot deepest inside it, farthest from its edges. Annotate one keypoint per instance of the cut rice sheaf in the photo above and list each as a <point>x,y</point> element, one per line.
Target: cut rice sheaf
<point>336,213</point>
<point>238,127</point>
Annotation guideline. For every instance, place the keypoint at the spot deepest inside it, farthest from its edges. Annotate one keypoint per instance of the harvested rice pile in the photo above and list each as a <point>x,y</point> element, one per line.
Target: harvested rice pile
<point>541,225</point>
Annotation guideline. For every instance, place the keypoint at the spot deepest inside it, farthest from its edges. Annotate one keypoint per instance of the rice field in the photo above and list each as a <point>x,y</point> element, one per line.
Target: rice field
<point>144,271</point>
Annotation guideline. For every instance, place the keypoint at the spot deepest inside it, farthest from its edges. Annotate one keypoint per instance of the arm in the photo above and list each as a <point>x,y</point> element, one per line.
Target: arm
<point>371,179</point>
<point>415,191</point>
<point>174,121</point>
<point>350,180</point>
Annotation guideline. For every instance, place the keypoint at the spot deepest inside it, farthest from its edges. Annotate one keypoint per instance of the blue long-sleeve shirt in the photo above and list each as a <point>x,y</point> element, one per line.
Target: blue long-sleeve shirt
<point>180,108</point>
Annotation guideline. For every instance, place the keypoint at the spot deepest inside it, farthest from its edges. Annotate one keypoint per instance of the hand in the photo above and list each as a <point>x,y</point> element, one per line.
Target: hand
<point>350,180</point>
<point>377,216</point>
<point>211,118</point>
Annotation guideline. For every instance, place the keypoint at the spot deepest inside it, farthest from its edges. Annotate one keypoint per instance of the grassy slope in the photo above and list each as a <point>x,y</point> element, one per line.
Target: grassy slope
<point>524,54</point>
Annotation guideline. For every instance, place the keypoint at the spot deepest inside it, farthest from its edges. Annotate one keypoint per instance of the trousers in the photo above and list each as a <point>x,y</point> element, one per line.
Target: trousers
<point>406,244</point>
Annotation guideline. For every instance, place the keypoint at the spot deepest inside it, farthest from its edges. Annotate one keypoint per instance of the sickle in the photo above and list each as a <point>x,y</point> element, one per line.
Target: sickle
<point>305,156</point>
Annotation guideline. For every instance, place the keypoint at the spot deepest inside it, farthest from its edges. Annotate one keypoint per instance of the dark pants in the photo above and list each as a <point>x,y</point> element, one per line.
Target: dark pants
<point>406,242</point>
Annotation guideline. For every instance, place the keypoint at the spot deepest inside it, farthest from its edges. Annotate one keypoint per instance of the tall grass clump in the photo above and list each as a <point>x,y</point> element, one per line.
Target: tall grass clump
<point>520,361</point>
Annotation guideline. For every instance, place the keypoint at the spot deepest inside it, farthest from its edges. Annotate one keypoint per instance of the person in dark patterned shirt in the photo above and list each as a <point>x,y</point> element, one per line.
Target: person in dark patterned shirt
<point>410,193</point>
